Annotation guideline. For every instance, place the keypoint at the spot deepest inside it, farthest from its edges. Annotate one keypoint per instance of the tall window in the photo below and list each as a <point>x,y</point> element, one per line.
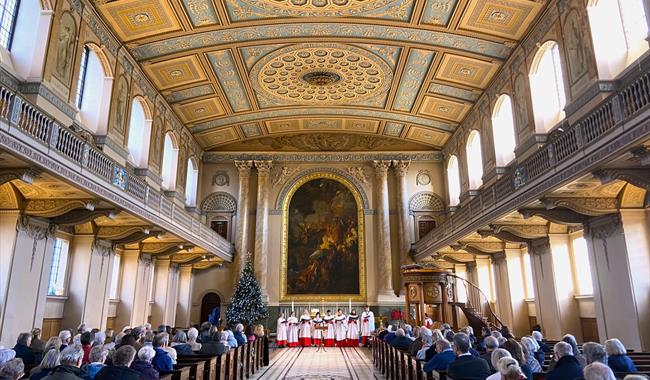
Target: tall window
<point>139,134</point>
<point>170,162</point>
<point>94,87</point>
<point>115,278</point>
<point>58,268</point>
<point>474,160</point>
<point>547,87</point>
<point>191,182</point>
<point>528,276</point>
<point>453,181</point>
<point>81,83</point>
<point>503,130</point>
<point>619,30</point>
<point>581,267</point>
<point>8,13</point>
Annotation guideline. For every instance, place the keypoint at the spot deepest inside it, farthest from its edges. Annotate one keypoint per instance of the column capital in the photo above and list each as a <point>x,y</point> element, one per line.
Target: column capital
<point>264,167</point>
<point>244,167</point>
<point>35,228</point>
<point>602,227</point>
<point>401,167</point>
<point>539,246</point>
<point>381,166</point>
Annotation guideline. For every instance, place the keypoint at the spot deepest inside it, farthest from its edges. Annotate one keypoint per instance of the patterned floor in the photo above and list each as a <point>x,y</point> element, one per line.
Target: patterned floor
<point>310,364</point>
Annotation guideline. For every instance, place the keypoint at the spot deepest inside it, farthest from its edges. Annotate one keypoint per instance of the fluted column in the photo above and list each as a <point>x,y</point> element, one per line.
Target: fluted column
<point>262,223</point>
<point>405,231</point>
<point>385,278</point>
<point>241,241</point>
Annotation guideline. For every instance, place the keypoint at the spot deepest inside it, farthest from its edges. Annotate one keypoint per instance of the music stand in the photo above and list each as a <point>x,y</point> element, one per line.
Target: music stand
<point>322,340</point>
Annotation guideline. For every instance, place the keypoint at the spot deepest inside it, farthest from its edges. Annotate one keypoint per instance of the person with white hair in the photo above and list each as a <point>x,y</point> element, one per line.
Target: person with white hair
<point>491,343</point>
<point>14,369</point>
<point>497,355</point>
<point>192,336</point>
<point>6,354</point>
<point>97,357</point>
<point>567,366</point>
<point>441,360</point>
<point>50,361</point>
<point>239,334</point>
<point>598,371</point>
<point>179,342</point>
<point>217,345</point>
<point>99,338</point>
<point>401,341</point>
<point>528,345</point>
<point>636,377</point>
<point>510,369</point>
<point>427,342</point>
<point>142,364</point>
<point>594,352</point>
<point>70,359</point>
<point>66,338</point>
<point>617,358</point>
<point>539,338</point>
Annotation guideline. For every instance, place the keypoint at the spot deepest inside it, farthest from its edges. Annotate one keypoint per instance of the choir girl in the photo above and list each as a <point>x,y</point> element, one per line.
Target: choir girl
<point>353,329</point>
<point>292,330</point>
<point>330,334</point>
<point>305,329</point>
<point>367,326</point>
<point>282,331</point>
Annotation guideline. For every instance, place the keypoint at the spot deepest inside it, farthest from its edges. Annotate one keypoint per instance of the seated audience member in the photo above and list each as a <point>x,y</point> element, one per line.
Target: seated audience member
<point>161,361</point>
<point>239,334</point>
<point>427,342</point>
<point>22,349</point>
<point>401,341</point>
<point>491,344</point>
<point>259,331</point>
<point>510,370</point>
<point>142,364</point>
<point>127,340</point>
<point>6,354</point>
<point>517,353</point>
<point>437,335</point>
<point>391,334</point>
<point>66,338</point>
<point>567,366</point>
<point>449,335</point>
<point>99,338</point>
<point>384,331</point>
<point>180,343</point>
<point>249,333</point>
<point>440,361</point>
<point>192,336</point>
<point>53,342</point>
<point>70,359</point>
<point>86,340</point>
<point>617,358</point>
<point>540,340</point>
<point>497,355</point>
<point>529,347</point>
<point>97,358</point>
<point>217,345</point>
<point>122,359</point>
<point>408,331</point>
<point>49,362</point>
<point>416,344</point>
<point>14,369</point>
<point>594,352</point>
<point>205,333</point>
<point>598,371</point>
<point>466,366</point>
<point>232,342</point>
<point>109,336</point>
<point>568,338</point>
<point>38,345</point>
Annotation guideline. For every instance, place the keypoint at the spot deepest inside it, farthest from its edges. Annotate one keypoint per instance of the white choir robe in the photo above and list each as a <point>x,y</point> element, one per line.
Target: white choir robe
<point>330,334</point>
<point>353,331</point>
<point>281,336</point>
<point>367,326</point>
<point>292,332</point>
<point>340,329</point>
<point>305,331</point>
<point>317,335</point>
<point>428,322</point>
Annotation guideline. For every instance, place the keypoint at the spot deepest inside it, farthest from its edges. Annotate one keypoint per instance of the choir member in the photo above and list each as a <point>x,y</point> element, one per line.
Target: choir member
<point>330,334</point>
<point>367,325</point>
<point>428,322</point>
<point>341,329</point>
<point>282,331</point>
<point>353,329</point>
<point>317,336</point>
<point>292,330</point>
<point>305,329</point>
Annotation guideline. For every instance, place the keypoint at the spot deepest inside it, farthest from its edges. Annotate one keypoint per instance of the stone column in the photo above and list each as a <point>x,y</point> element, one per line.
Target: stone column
<point>185,285</point>
<point>404,227</point>
<point>619,255</point>
<point>385,278</point>
<point>241,240</point>
<point>91,267</point>
<point>163,310</point>
<point>262,223</point>
<point>25,288</point>
<point>510,294</point>
<point>137,270</point>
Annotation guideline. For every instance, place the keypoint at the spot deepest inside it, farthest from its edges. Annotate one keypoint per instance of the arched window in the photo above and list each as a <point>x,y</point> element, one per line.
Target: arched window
<point>619,29</point>
<point>474,160</point>
<point>8,13</point>
<point>170,162</point>
<point>547,87</point>
<point>503,130</point>
<point>25,31</point>
<point>94,87</point>
<point>139,133</point>
<point>191,182</point>
<point>453,181</point>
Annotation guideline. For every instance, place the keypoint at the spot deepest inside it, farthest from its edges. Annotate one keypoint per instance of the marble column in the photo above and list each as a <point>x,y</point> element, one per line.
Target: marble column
<point>163,310</point>
<point>91,267</point>
<point>403,220</point>
<point>385,278</point>
<point>262,224</point>
<point>137,270</point>
<point>511,304</point>
<point>619,256</point>
<point>185,285</point>
<point>241,240</point>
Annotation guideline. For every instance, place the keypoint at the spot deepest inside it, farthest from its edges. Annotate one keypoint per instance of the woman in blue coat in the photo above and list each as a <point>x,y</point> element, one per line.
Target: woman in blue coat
<point>617,358</point>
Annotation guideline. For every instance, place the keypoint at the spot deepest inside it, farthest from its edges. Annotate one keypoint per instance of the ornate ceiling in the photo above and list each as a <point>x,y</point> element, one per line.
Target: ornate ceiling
<point>246,69</point>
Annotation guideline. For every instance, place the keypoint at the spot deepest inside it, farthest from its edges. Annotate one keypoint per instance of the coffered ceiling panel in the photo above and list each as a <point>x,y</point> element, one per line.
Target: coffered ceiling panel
<point>237,70</point>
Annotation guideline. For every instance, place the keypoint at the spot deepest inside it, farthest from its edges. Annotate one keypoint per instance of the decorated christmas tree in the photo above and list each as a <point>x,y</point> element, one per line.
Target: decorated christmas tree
<point>246,305</point>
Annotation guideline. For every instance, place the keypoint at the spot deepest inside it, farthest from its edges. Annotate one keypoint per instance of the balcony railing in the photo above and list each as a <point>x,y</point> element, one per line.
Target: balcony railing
<point>50,136</point>
<point>531,177</point>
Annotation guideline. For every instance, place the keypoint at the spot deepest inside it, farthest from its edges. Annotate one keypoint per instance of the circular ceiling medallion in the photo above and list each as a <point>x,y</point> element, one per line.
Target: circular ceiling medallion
<point>321,74</point>
<point>310,8</point>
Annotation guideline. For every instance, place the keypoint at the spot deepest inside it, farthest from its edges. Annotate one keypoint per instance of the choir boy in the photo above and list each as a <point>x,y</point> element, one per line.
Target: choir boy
<point>353,329</point>
<point>305,329</point>
<point>292,330</point>
<point>367,325</point>
<point>317,336</point>
<point>330,334</point>
<point>282,331</point>
<point>340,328</point>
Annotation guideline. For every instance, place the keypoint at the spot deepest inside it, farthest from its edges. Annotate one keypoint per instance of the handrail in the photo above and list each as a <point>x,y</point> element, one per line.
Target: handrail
<point>476,288</point>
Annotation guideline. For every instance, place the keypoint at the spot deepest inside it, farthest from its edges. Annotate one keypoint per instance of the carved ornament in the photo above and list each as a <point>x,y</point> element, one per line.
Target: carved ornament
<point>381,167</point>
<point>244,167</point>
<point>584,206</point>
<point>26,175</point>
<point>49,208</point>
<point>359,173</point>
<point>263,167</point>
<point>561,216</point>
<point>528,231</point>
<point>401,167</point>
<point>283,175</point>
<point>638,177</point>
<point>118,232</point>
<point>329,142</point>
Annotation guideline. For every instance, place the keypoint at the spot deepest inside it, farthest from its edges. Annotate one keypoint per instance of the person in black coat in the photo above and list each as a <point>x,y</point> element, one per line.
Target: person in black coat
<point>567,367</point>
<point>401,342</point>
<point>491,344</point>
<point>143,364</point>
<point>466,366</point>
<point>122,359</point>
<point>22,349</point>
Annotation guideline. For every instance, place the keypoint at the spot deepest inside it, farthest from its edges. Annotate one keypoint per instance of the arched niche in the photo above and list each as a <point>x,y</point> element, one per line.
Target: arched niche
<point>220,209</point>
<point>427,209</point>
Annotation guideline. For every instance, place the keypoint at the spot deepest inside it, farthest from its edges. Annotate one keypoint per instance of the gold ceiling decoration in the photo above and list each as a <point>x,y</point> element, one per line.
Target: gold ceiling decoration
<point>321,74</point>
<point>313,8</point>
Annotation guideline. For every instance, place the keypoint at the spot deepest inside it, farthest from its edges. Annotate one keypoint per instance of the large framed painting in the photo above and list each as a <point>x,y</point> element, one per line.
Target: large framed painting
<point>323,249</point>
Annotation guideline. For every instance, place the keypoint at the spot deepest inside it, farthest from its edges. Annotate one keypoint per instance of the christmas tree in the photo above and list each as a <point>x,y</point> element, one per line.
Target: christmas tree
<point>246,305</point>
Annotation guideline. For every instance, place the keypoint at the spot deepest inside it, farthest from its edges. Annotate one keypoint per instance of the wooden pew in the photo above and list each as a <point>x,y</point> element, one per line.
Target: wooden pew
<point>209,368</point>
<point>197,368</point>
<point>166,377</point>
<point>180,373</point>
<point>231,364</point>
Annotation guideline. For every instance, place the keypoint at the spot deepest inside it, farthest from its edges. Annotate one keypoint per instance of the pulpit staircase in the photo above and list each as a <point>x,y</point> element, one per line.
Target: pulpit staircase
<point>477,308</point>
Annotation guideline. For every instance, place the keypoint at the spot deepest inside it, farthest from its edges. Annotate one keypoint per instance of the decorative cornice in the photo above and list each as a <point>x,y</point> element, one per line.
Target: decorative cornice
<point>322,157</point>
<point>638,177</point>
<point>39,88</point>
<point>26,175</point>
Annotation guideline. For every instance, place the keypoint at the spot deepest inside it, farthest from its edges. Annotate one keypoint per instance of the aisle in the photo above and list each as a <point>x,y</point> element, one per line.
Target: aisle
<point>308,364</point>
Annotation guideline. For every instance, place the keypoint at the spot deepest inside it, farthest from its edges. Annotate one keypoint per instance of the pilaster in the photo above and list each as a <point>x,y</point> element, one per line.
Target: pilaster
<point>385,278</point>
<point>163,310</point>
<point>262,224</point>
<point>404,228</point>
<point>137,270</point>
<point>185,284</point>
<point>241,240</point>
